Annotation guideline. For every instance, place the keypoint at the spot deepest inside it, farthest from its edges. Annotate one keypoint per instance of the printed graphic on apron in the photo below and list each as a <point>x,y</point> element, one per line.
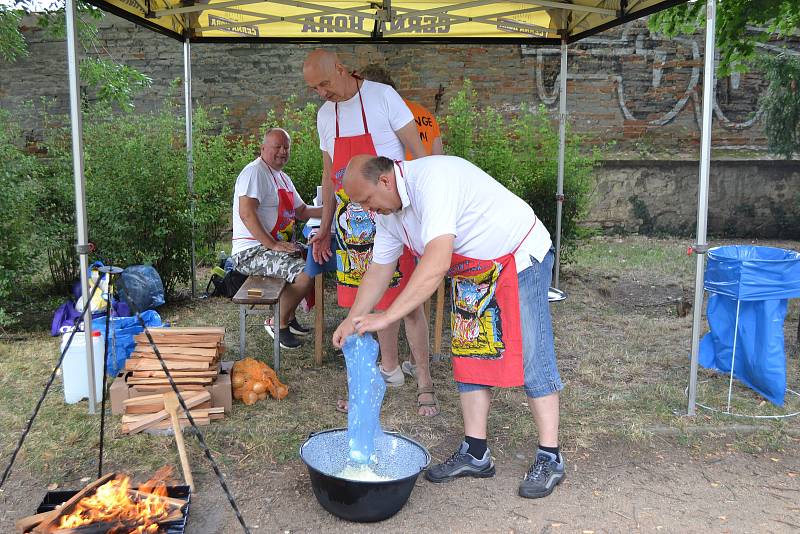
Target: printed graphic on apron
<point>475,316</point>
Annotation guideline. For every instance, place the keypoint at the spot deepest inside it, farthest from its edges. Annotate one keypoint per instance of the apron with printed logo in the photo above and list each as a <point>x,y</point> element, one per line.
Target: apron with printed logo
<point>486,341</point>
<point>284,224</point>
<point>355,227</point>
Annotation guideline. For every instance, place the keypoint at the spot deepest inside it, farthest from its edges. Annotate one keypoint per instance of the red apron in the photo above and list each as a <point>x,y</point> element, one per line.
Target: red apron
<point>355,228</point>
<point>486,342</point>
<point>284,224</point>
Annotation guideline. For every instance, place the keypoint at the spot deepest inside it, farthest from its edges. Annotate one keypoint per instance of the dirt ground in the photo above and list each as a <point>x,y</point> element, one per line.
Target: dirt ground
<point>611,488</point>
<point>632,464</point>
<point>608,489</point>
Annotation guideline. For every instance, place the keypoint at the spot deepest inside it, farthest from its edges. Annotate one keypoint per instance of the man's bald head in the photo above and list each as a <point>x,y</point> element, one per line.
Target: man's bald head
<point>322,60</point>
<point>325,74</point>
<point>370,181</point>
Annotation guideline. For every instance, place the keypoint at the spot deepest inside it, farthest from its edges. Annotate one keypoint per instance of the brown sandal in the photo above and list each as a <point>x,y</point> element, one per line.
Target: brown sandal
<point>427,390</point>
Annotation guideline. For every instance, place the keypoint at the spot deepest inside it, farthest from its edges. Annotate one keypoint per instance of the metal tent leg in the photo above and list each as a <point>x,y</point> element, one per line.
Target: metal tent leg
<point>187,96</point>
<point>80,192</point>
<point>702,199</point>
<point>562,141</point>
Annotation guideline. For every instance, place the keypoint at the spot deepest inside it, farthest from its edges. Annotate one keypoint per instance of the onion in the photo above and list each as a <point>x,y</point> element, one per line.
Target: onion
<point>250,398</point>
<point>238,380</point>
<point>259,387</point>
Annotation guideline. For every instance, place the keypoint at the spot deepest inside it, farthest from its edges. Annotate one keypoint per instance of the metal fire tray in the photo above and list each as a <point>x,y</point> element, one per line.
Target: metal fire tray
<point>53,498</point>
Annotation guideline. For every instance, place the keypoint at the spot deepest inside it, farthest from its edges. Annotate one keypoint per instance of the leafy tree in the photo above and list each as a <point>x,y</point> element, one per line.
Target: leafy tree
<point>781,104</point>
<point>740,26</point>
<point>112,82</point>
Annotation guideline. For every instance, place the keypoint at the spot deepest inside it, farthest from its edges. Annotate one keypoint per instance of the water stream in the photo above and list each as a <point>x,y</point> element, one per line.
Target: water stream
<point>365,394</point>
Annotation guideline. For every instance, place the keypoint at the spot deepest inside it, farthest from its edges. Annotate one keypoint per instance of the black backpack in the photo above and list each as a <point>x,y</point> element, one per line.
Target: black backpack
<point>226,286</point>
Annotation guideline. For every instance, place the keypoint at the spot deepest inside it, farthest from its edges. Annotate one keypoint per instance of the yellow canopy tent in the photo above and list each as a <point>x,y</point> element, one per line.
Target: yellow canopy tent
<point>545,22</point>
<point>539,21</point>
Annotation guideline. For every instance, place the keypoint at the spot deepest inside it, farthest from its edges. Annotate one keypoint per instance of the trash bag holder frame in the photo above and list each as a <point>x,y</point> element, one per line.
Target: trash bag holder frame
<point>727,410</point>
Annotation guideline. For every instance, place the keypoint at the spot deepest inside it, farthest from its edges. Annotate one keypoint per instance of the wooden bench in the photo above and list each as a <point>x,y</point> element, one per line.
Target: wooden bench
<point>260,291</point>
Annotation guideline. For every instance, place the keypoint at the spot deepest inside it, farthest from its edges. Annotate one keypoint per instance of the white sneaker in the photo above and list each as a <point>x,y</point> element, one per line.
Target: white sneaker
<point>395,379</point>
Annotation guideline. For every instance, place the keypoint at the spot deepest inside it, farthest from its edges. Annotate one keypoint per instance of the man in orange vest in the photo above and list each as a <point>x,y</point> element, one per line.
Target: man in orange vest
<point>428,128</point>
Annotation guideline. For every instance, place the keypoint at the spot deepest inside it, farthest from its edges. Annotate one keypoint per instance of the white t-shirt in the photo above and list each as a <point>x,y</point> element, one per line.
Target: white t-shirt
<point>257,180</point>
<point>449,195</point>
<point>386,113</point>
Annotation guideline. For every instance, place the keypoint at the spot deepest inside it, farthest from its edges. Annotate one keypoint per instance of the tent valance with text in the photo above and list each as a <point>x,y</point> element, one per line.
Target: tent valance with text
<point>544,21</point>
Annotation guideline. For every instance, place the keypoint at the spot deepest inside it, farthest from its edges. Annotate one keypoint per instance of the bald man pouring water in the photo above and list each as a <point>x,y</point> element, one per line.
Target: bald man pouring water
<point>462,223</point>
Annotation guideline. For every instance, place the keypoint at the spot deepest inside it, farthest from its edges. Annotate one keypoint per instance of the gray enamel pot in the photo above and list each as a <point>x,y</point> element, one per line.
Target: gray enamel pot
<point>401,459</point>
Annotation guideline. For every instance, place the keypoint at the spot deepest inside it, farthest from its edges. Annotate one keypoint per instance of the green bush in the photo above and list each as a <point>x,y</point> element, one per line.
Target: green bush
<point>219,157</point>
<point>523,155</point>
<point>17,182</point>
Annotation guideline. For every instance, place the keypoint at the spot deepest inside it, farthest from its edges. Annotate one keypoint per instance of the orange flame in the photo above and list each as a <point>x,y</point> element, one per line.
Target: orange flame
<point>113,502</point>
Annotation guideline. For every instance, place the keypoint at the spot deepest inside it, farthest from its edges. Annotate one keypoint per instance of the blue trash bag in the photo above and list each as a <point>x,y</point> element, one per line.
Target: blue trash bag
<point>758,280</point>
<point>121,343</point>
<point>366,389</point>
<point>141,286</point>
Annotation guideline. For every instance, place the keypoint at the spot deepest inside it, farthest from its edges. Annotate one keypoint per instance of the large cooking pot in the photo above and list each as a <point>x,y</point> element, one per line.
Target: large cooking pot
<point>401,459</point>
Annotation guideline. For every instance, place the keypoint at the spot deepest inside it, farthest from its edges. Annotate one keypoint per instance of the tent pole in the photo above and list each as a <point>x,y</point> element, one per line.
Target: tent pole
<point>562,136</point>
<point>187,95</point>
<point>82,247</point>
<point>701,247</point>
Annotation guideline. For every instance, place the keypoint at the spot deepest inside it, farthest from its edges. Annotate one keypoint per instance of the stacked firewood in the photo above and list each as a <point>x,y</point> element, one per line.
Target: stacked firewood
<point>192,356</point>
<point>148,412</point>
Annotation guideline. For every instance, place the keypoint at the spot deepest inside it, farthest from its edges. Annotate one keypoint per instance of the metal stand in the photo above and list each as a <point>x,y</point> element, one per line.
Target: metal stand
<point>111,272</point>
<point>727,410</point>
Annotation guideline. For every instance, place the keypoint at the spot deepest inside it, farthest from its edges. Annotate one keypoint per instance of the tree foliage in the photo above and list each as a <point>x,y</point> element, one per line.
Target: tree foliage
<point>740,26</point>
<point>112,82</point>
<point>781,104</point>
<point>522,154</point>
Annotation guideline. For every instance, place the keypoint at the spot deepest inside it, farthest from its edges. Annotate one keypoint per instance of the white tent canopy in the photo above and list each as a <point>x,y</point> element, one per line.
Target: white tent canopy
<point>543,22</point>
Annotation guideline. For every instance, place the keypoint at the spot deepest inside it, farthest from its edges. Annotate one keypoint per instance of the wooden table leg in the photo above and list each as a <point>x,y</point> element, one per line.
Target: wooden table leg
<point>319,317</point>
<point>437,326</point>
<point>276,329</point>
<point>242,329</point>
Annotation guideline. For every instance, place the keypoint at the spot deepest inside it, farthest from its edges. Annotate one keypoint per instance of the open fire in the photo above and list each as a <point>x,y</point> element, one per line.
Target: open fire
<point>110,505</point>
<point>114,502</point>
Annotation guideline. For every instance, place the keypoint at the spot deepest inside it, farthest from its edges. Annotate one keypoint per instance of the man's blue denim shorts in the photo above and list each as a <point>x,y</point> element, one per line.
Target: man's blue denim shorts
<point>538,348</point>
<point>313,268</point>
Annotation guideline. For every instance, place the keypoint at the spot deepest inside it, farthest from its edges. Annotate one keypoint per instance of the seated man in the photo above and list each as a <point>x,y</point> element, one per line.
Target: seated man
<point>265,207</point>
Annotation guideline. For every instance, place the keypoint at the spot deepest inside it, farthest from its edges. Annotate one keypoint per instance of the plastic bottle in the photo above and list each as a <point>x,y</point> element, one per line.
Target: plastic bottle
<point>76,384</point>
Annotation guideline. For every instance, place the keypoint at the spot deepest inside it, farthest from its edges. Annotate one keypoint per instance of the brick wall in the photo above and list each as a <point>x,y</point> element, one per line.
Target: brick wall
<point>624,85</point>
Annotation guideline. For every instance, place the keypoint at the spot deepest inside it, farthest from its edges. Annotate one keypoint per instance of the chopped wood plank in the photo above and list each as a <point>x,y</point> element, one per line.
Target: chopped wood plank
<point>202,413</point>
<point>176,357</point>
<point>188,330</point>
<point>194,341</point>
<point>161,389</point>
<point>141,495</point>
<point>50,523</point>
<point>177,349</point>
<point>143,399</point>
<point>153,408</point>
<point>165,382</point>
<point>141,364</point>
<point>26,524</point>
<point>190,400</point>
<point>174,374</point>
<point>163,425</point>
